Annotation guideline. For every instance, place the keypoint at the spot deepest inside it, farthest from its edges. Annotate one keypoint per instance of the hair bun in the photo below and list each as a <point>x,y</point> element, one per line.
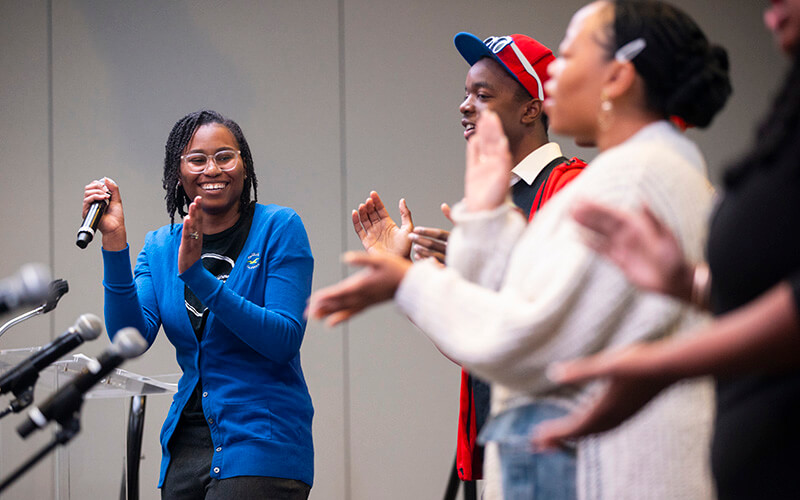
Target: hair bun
<point>684,75</point>
<point>704,87</point>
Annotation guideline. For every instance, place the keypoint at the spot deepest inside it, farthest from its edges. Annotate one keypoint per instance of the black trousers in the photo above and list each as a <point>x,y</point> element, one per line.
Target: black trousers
<point>188,476</point>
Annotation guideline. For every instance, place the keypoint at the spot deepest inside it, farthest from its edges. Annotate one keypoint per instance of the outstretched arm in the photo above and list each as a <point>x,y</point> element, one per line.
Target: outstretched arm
<point>485,187</point>
<point>761,336</point>
<point>376,229</point>
<point>508,337</point>
<point>375,283</point>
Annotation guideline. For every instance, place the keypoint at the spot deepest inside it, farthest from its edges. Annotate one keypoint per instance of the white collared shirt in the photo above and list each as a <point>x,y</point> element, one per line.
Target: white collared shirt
<point>531,165</point>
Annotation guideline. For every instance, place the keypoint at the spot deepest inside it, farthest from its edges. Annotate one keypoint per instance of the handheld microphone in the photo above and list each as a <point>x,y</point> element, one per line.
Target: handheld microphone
<point>64,404</point>
<point>87,327</point>
<point>90,222</point>
<point>28,287</point>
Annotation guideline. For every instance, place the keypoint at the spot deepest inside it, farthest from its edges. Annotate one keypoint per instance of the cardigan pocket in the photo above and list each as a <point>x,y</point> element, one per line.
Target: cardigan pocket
<point>245,421</point>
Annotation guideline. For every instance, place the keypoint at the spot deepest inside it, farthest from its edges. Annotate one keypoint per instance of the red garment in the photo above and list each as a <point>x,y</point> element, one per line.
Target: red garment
<point>469,456</point>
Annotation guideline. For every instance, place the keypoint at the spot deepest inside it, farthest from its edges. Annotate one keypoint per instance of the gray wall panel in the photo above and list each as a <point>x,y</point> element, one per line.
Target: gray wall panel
<point>24,145</point>
<point>25,191</point>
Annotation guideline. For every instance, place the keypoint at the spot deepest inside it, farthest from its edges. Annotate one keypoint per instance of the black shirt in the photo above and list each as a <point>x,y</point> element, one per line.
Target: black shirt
<point>754,244</point>
<point>219,254</point>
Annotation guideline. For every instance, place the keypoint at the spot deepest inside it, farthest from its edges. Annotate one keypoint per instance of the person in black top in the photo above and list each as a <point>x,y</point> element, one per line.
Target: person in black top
<point>751,282</point>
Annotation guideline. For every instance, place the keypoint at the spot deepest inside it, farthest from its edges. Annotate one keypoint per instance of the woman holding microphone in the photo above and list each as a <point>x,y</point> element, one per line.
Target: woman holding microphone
<point>228,285</point>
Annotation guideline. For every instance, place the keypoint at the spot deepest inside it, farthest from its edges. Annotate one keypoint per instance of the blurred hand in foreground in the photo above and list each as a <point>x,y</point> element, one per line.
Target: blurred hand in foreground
<point>377,282</point>
<point>640,245</point>
<point>488,172</point>
<point>633,379</point>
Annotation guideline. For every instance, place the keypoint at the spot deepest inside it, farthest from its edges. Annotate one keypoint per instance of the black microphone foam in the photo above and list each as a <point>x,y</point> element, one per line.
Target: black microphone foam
<point>23,375</point>
<point>90,222</point>
<point>29,286</point>
<point>57,290</point>
<point>64,404</point>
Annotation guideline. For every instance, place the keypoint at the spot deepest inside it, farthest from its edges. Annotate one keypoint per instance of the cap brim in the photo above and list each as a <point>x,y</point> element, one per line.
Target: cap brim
<point>472,48</point>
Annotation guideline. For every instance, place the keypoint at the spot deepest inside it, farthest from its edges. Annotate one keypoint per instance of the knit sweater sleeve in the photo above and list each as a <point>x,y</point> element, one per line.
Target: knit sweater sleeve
<point>557,299</point>
<point>481,243</point>
<point>276,329</point>
<point>507,336</point>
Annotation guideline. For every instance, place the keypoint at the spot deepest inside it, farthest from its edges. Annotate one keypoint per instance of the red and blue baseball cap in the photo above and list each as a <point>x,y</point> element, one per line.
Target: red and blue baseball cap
<point>523,57</point>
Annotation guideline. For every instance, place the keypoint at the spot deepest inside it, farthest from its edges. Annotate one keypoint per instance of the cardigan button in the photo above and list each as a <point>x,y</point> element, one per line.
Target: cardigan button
<point>210,420</point>
<point>205,394</point>
<point>216,470</point>
<point>219,448</point>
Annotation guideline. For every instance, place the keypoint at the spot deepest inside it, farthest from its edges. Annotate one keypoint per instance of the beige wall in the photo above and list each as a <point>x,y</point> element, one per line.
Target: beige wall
<point>336,97</point>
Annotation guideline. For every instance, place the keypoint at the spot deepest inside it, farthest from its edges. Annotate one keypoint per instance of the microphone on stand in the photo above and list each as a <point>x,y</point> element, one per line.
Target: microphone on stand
<point>64,405</point>
<point>29,286</point>
<point>57,290</point>
<point>87,327</point>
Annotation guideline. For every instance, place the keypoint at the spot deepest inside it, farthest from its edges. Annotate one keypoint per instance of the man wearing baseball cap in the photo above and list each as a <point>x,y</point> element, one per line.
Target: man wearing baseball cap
<point>507,76</point>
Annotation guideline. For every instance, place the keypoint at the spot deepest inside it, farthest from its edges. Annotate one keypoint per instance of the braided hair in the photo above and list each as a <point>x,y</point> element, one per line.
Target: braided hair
<point>182,132</point>
<point>684,74</point>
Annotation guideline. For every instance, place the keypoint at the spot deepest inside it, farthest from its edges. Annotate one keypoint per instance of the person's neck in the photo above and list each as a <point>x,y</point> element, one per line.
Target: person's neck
<point>623,128</point>
<point>527,145</point>
<point>216,223</point>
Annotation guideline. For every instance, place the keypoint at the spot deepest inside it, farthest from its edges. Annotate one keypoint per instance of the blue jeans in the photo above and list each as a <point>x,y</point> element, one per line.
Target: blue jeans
<point>527,475</point>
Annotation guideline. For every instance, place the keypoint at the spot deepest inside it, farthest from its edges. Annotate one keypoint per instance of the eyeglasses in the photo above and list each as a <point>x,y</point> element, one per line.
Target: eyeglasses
<point>225,160</point>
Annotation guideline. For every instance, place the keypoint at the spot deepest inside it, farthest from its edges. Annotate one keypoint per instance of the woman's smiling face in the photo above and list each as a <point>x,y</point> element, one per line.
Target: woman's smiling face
<point>220,190</point>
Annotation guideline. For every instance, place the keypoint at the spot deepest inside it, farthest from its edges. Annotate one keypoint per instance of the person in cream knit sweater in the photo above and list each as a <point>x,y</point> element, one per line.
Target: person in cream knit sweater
<point>517,297</point>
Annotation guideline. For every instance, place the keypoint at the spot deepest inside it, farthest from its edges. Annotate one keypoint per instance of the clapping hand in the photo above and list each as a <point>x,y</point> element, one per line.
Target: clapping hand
<point>376,229</point>
<point>431,241</point>
<point>192,239</point>
<point>488,165</point>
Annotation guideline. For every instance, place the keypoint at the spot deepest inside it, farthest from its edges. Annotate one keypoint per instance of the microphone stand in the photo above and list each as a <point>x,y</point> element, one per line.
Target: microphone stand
<point>130,479</point>
<point>23,392</point>
<point>69,429</point>
<point>21,318</point>
<point>24,397</point>
<point>57,289</point>
<point>70,421</point>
